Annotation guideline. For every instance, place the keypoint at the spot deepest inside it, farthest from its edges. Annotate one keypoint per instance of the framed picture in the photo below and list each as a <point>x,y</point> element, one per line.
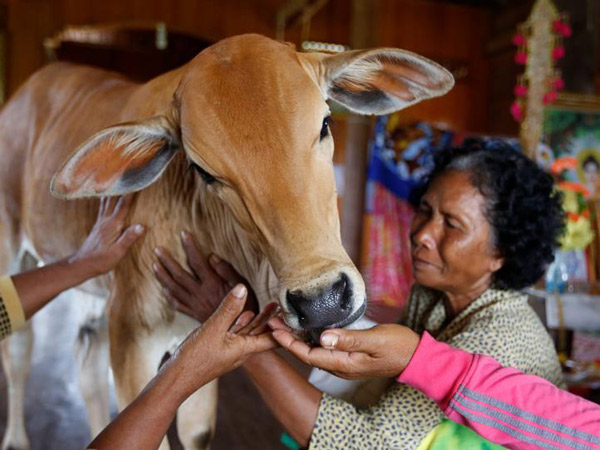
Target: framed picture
<point>572,130</point>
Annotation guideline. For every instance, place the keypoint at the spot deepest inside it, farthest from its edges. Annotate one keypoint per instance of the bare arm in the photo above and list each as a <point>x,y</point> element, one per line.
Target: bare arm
<point>293,400</point>
<point>104,247</point>
<point>222,344</point>
<point>144,423</point>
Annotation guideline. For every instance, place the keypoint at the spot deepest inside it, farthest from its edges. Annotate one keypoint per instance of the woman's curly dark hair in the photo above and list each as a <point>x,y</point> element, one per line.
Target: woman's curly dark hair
<point>522,206</point>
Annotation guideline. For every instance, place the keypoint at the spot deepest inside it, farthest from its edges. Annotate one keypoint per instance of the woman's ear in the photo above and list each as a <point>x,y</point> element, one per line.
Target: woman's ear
<point>496,263</point>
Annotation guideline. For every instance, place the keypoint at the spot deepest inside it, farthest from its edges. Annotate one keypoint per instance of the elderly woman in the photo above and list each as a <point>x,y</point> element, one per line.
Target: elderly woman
<point>486,225</point>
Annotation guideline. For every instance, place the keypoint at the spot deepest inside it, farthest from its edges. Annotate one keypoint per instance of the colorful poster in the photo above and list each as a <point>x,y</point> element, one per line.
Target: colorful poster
<point>572,129</point>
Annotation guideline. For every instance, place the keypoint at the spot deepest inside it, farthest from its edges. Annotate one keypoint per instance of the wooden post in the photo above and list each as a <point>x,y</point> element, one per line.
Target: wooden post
<point>357,140</point>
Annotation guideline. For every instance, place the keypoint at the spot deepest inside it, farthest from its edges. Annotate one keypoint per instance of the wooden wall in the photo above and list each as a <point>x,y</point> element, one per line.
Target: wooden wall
<point>503,71</point>
<point>450,34</point>
<point>437,30</point>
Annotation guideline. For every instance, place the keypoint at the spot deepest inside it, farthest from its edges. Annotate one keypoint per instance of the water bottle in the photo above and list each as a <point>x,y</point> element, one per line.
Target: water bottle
<point>557,276</point>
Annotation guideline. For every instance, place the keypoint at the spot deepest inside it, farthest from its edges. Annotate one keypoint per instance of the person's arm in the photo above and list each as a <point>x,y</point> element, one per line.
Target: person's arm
<point>26,293</point>
<point>310,416</point>
<point>292,399</point>
<point>500,403</point>
<point>220,345</point>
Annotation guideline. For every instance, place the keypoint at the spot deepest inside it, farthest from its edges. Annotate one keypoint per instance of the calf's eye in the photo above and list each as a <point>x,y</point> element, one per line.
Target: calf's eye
<point>207,177</point>
<point>325,128</point>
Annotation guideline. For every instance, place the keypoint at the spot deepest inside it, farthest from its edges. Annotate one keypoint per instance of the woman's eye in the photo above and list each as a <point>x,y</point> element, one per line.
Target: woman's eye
<point>325,127</point>
<point>207,177</point>
<point>451,224</point>
<point>422,210</point>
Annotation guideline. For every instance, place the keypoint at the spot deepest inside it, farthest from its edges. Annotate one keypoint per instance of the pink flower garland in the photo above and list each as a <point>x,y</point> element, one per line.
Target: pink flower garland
<point>562,30</point>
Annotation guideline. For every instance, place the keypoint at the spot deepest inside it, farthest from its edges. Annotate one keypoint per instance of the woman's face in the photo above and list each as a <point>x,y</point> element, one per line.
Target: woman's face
<point>451,238</point>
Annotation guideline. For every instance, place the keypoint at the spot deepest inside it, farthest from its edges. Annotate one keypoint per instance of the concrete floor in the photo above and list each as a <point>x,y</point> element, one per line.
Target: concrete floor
<point>55,413</point>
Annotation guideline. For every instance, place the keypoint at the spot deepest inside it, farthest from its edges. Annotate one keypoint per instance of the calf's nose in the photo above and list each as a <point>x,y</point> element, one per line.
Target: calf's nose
<point>331,305</point>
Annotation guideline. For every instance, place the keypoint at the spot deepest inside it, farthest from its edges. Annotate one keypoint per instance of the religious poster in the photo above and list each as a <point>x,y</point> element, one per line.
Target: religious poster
<point>572,132</point>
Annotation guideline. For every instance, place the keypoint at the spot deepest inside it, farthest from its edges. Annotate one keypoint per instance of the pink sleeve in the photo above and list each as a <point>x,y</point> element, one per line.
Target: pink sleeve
<point>502,404</point>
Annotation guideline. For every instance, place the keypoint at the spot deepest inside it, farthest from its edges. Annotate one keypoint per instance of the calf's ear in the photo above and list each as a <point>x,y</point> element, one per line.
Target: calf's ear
<point>378,81</point>
<point>118,160</point>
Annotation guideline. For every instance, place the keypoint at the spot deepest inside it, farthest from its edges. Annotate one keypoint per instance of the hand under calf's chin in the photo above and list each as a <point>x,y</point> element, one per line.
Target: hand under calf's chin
<point>356,322</point>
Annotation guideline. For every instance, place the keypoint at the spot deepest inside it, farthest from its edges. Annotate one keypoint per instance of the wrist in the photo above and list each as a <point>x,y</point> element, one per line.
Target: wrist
<point>259,361</point>
<point>83,267</point>
<point>182,375</point>
<point>171,387</point>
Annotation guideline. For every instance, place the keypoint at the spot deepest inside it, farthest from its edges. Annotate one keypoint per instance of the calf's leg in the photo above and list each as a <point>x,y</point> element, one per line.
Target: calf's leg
<point>16,358</point>
<point>197,417</point>
<point>92,355</point>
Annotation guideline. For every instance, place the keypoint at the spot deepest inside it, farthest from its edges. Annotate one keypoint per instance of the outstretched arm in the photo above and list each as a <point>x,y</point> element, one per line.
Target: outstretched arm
<point>308,414</point>
<point>220,345</point>
<point>26,293</point>
<point>293,400</point>
<point>500,403</point>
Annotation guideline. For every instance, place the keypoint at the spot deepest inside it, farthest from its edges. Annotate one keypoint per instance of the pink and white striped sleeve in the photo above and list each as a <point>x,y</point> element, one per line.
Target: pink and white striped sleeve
<point>502,404</point>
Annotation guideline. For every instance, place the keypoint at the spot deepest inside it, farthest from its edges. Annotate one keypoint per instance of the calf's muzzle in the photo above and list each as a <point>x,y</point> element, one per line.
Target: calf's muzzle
<point>328,307</point>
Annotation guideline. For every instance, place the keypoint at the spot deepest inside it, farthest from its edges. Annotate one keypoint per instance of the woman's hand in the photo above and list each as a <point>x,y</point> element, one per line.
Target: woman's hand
<point>197,294</point>
<point>220,345</point>
<point>223,343</point>
<point>382,351</point>
<point>109,241</point>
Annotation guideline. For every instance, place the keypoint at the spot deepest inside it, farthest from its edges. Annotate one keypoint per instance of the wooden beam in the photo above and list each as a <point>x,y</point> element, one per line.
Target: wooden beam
<point>357,140</point>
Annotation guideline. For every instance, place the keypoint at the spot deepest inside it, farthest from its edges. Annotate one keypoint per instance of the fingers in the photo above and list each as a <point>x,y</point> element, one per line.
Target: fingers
<point>103,204</point>
<point>178,278</point>
<point>122,207</point>
<point>242,321</point>
<point>196,261</point>
<point>170,287</point>
<point>276,323</point>
<point>320,357</point>
<point>229,309</point>
<point>350,340</point>
<point>262,343</point>
<point>224,269</point>
<point>107,204</point>
<point>129,236</point>
<point>259,323</point>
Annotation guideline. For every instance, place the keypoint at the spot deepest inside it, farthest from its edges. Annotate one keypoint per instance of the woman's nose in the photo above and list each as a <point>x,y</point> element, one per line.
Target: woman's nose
<point>425,234</point>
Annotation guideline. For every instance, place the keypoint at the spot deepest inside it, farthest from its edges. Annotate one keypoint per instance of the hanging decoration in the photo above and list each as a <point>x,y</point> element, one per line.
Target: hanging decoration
<point>539,43</point>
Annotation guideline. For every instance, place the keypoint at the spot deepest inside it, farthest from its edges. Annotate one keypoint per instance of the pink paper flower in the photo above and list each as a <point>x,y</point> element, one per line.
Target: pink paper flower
<point>549,97</point>
<point>558,84</point>
<point>519,39</point>
<point>558,52</point>
<point>516,111</point>
<point>521,58</point>
<point>557,25</point>
<point>520,90</point>
<point>562,28</point>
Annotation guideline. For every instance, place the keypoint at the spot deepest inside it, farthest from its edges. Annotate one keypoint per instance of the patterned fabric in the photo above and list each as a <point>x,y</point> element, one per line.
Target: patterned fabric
<point>500,324</point>
<point>451,436</point>
<point>387,260</point>
<point>5,327</point>
<point>12,316</point>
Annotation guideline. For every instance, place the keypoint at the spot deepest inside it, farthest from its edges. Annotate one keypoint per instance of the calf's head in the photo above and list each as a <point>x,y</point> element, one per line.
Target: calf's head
<point>251,114</point>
